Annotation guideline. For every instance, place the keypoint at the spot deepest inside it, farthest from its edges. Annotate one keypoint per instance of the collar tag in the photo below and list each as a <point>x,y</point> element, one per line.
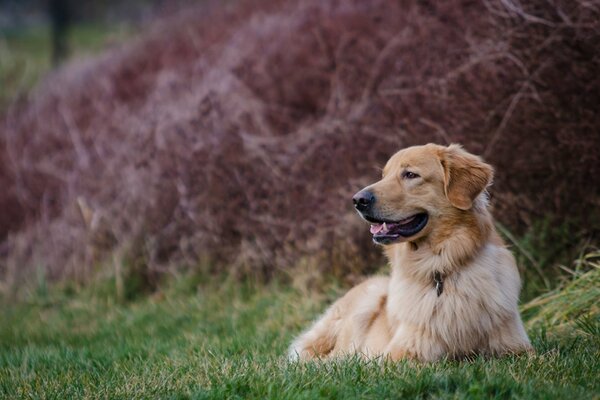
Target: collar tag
<point>439,283</point>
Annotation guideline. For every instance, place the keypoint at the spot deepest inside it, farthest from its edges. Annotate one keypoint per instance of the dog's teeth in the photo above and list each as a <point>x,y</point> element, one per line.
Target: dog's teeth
<point>385,227</point>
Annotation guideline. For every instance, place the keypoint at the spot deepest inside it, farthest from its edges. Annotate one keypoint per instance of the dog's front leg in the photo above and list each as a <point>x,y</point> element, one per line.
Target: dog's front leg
<point>411,343</point>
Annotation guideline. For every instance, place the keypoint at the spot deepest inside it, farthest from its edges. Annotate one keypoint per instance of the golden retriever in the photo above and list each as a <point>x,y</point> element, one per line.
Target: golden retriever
<point>454,286</point>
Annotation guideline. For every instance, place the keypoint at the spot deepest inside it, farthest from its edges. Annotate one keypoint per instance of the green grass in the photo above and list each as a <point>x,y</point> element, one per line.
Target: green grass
<point>227,340</point>
<point>25,54</point>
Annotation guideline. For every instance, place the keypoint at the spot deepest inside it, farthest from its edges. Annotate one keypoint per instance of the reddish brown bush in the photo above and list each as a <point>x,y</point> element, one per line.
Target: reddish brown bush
<point>238,137</point>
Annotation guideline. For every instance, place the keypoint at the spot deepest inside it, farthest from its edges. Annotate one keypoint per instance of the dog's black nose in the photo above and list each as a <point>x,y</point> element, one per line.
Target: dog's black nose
<point>363,200</point>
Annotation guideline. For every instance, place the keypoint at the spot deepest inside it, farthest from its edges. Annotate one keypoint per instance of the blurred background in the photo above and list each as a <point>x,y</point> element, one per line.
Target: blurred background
<point>148,138</point>
<point>39,34</point>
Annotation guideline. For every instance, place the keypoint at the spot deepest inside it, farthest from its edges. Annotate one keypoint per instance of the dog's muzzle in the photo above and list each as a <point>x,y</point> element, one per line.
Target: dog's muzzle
<point>386,231</point>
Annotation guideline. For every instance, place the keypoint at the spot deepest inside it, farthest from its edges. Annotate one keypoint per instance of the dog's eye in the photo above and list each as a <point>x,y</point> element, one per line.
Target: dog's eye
<point>409,175</point>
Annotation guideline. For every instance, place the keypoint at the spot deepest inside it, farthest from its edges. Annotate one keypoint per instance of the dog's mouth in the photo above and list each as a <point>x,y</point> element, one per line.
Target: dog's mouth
<point>387,232</point>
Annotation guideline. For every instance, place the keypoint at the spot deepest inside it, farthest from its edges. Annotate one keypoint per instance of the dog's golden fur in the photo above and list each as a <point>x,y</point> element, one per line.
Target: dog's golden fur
<point>402,316</point>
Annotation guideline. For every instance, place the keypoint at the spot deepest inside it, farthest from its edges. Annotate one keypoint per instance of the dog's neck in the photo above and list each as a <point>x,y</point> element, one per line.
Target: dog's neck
<point>445,250</point>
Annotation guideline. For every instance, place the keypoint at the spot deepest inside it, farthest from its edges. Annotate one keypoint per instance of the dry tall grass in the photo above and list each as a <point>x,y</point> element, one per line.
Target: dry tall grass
<point>575,303</point>
<point>237,136</point>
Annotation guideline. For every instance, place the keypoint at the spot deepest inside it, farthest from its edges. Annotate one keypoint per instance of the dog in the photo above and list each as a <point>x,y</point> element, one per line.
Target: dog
<point>454,286</point>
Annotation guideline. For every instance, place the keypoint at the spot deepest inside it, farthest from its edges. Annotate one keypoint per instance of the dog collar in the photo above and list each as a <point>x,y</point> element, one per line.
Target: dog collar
<point>439,283</point>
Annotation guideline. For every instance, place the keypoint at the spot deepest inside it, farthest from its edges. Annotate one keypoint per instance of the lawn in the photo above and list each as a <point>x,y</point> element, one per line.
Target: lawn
<point>227,340</point>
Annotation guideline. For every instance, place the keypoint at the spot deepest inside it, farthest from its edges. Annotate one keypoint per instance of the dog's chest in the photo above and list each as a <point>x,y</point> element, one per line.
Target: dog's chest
<point>416,304</point>
<point>471,304</point>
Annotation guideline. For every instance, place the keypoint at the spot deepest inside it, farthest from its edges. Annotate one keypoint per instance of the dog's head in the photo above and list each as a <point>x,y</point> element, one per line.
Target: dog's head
<point>421,187</point>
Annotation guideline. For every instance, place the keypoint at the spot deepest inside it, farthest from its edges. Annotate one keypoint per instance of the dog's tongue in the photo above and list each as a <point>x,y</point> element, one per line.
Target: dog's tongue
<point>385,227</point>
<point>377,228</point>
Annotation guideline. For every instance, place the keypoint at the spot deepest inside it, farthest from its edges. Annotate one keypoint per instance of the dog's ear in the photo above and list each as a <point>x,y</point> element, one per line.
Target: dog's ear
<point>465,176</point>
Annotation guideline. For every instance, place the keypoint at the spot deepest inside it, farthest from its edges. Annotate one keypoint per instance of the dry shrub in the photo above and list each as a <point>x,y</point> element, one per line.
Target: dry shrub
<point>236,137</point>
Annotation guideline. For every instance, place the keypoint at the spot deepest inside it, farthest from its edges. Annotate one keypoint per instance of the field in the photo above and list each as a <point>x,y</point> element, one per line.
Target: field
<point>221,339</point>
